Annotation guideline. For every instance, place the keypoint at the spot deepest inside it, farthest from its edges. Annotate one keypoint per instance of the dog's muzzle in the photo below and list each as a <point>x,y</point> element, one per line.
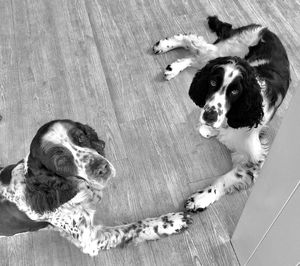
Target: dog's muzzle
<point>210,115</point>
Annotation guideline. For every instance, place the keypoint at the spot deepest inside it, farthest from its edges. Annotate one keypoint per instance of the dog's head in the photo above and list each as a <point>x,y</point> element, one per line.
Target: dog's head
<point>62,154</point>
<point>227,90</point>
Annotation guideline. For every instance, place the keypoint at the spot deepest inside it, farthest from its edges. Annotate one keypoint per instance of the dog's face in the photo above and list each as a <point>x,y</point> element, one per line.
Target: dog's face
<point>224,88</point>
<point>227,91</point>
<point>65,157</point>
<point>68,149</point>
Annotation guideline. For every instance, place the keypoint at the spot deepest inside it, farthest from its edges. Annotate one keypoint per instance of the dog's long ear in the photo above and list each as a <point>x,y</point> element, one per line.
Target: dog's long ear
<point>199,88</point>
<point>97,144</point>
<point>247,110</point>
<point>45,191</point>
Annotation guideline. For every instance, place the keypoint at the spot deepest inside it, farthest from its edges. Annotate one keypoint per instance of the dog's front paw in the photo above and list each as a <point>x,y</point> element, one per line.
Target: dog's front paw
<point>92,249</point>
<point>157,48</point>
<point>200,200</point>
<point>163,46</point>
<point>207,131</point>
<point>171,71</point>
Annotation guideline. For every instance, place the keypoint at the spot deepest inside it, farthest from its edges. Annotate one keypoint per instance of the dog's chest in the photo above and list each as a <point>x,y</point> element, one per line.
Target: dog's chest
<point>234,139</point>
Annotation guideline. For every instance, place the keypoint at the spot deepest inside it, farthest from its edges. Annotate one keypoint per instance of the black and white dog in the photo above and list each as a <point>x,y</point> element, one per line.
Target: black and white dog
<point>243,78</point>
<point>59,185</point>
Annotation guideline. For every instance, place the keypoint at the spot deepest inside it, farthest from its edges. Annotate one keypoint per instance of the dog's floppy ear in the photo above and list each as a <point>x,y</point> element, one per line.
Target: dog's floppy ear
<point>45,190</point>
<point>247,110</point>
<point>97,144</point>
<point>199,88</point>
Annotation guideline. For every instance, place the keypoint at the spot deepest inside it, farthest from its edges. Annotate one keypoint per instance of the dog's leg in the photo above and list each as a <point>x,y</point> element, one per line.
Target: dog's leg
<point>191,42</point>
<point>144,230</point>
<point>202,51</point>
<point>240,177</point>
<point>179,65</point>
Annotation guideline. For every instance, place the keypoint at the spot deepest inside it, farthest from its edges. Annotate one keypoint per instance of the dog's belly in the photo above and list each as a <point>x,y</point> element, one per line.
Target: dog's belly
<point>238,45</point>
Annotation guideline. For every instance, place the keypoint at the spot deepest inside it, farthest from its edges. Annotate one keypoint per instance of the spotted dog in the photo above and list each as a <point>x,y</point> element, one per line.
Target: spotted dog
<point>59,184</point>
<point>242,79</point>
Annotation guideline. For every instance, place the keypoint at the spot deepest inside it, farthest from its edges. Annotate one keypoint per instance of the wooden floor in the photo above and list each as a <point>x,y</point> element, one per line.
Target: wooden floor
<point>91,61</point>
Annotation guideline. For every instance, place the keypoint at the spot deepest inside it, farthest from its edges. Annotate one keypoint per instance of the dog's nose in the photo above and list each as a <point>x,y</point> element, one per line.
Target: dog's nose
<point>101,168</point>
<point>210,115</point>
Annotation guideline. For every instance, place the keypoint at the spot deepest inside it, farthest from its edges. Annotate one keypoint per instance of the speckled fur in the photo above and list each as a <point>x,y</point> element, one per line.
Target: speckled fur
<point>74,219</point>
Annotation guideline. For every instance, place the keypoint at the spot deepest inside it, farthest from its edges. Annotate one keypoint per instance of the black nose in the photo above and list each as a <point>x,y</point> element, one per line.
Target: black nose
<point>210,115</point>
<point>100,168</point>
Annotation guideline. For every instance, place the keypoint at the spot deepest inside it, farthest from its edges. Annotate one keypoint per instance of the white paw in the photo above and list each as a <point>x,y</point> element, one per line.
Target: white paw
<point>171,71</point>
<point>91,249</point>
<point>162,46</point>
<point>200,200</point>
<point>207,131</point>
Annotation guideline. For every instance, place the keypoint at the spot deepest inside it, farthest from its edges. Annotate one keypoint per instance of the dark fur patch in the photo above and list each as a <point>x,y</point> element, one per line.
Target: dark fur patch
<point>238,175</point>
<point>220,28</point>
<point>45,191</point>
<point>249,173</point>
<point>169,68</point>
<point>5,175</point>
<point>13,221</point>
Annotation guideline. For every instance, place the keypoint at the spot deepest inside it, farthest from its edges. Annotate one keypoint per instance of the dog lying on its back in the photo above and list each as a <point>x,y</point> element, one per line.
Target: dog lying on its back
<point>242,79</point>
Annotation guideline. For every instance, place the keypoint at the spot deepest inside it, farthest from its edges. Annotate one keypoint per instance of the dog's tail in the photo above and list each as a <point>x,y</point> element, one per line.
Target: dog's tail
<point>222,29</point>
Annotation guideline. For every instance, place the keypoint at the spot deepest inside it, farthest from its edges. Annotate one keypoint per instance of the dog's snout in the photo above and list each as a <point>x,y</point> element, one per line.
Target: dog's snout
<point>210,115</point>
<point>100,168</point>
<point>103,169</point>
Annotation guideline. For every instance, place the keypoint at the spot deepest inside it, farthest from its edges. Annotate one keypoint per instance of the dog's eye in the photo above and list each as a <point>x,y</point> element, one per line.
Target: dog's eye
<point>213,83</point>
<point>234,92</point>
<point>61,161</point>
<point>81,138</point>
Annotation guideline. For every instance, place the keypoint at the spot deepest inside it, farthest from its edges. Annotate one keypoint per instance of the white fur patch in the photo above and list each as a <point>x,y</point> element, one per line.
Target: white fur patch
<point>176,67</point>
<point>238,45</point>
<point>202,199</point>
<point>57,134</point>
<point>243,140</point>
<point>207,131</point>
<point>259,62</point>
<point>230,73</point>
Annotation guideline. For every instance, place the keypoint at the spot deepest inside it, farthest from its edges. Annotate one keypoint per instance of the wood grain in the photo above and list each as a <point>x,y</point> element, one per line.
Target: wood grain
<point>91,61</point>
